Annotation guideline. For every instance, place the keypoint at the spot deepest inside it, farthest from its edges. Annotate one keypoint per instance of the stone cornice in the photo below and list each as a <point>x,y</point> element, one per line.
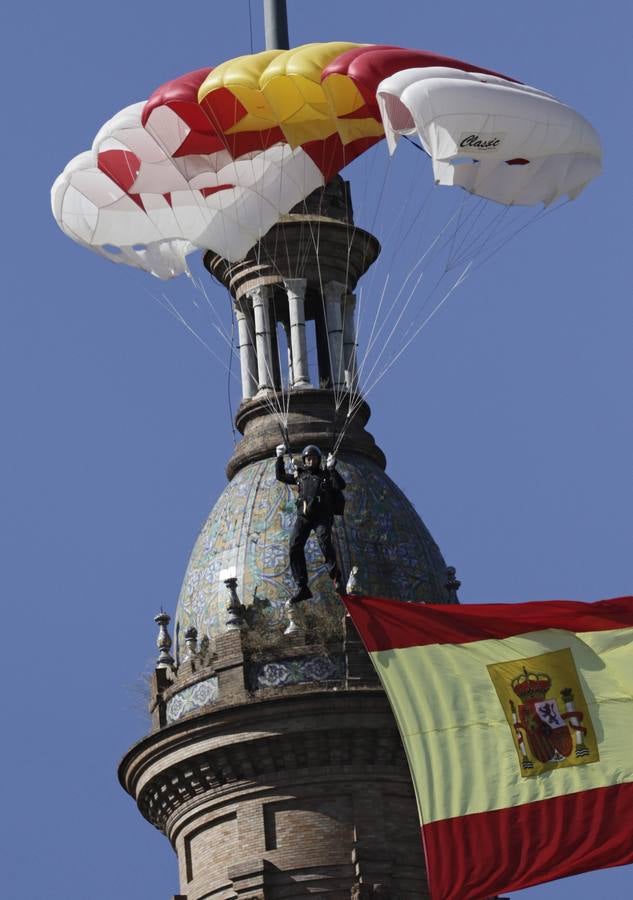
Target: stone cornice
<point>301,728</point>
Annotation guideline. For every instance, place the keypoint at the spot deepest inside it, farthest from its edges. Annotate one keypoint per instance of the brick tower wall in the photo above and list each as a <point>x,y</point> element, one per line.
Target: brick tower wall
<point>281,792</point>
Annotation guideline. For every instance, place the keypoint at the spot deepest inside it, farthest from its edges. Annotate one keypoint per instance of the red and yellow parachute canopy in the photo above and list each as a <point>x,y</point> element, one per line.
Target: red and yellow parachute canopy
<point>215,157</point>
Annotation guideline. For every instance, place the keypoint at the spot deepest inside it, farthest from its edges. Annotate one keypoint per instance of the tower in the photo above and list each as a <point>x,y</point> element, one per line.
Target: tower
<point>274,766</point>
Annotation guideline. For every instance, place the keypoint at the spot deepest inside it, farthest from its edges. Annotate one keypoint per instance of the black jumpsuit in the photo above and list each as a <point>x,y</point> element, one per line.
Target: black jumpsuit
<point>314,512</point>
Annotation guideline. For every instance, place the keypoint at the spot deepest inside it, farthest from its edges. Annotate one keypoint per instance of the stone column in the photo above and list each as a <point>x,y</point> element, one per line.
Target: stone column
<point>248,359</point>
<point>296,289</point>
<point>349,342</point>
<point>261,310</point>
<point>274,351</point>
<point>286,328</point>
<point>334,291</point>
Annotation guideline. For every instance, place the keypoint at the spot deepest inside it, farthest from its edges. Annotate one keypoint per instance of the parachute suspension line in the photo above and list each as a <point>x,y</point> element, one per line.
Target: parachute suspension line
<point>284,398</point>
<point>354,227</point>
<point>277,230</point>
<point>400,220</point>
<point>350,237</point>
<point>219,131</point>
<point>357,373</point>
<point>374,216</point>
<point>230,341</point>
<point>541,213</point>
<point>351,229</point>
<point>368,162</point>
<point>333,375</point>
<point>229,373</point>
<point>482,238</point>
<point>457,251</point>
<point>353,390</point>
<point>270,396</point>
<point>441,277</point>
<point>480,241</point>
<point>469,268</point>
<point>356,399</point>
<point>280,405</point>
<point>199,286</point>
<point>474,217</point>
<point>295,263</point>
<point>370,165</point>
<point>420,313</point>
<point>429,250</point>
<point>397,247</point>
<point>355,396</point>
<point>272,403</point>
<point>401,224</point>
<point>373,213</point>
<point>271,406</point>
<point>371,340</point>
<point>236,212</point>
<point>278,391</point>
<point>274,400</point>
<point>169,307</point>
<point>394,328</point>
<point>380,195</point>
<point>373,383</point>
<point>455,232</point>
<point>461,278</point>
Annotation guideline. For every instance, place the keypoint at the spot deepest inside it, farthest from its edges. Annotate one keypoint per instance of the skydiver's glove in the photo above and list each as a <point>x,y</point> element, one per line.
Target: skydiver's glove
<point>330,461</point>
<point>280,449</point>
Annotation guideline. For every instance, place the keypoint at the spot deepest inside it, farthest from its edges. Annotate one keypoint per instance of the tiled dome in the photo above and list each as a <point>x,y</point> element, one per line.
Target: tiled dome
<point>247,532</point>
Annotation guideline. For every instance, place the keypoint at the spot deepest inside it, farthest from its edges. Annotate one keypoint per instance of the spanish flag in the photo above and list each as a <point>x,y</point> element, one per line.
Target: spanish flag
<point>517,720</point>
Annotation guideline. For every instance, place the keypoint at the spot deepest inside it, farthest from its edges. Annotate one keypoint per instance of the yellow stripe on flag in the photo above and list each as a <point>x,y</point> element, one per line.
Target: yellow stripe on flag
<point>460,745</point>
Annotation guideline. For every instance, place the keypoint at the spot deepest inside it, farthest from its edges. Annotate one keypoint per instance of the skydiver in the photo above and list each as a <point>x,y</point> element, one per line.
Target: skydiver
<point>319,499</point>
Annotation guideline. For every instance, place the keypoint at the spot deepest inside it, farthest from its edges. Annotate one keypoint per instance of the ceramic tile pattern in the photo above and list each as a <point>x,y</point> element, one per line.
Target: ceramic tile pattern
<point>248,528</point>
<point>192,698</point>
<point>299,670</point>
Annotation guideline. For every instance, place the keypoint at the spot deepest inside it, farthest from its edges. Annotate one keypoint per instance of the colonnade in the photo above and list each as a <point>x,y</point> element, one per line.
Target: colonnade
<point>335,335</point>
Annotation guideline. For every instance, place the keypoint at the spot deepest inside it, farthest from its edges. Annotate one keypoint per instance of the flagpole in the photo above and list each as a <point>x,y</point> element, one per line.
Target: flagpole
<point>276,25</point>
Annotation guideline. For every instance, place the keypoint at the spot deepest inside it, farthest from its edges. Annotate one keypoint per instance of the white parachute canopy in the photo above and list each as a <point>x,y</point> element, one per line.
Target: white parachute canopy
<point>130,201</point>
<point>496,138</point>
<point>215,169</point>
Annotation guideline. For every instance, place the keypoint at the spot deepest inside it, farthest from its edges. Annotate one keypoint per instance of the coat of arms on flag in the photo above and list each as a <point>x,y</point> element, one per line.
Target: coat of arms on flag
<point>517,722</point>
<point>546,710</point>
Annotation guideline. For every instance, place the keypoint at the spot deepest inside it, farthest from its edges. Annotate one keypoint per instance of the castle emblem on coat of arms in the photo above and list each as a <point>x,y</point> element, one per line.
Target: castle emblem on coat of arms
<point>546,710</point>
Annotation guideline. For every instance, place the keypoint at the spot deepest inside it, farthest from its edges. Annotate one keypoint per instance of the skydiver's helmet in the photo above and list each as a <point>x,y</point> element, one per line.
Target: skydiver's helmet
<point>311,450</point>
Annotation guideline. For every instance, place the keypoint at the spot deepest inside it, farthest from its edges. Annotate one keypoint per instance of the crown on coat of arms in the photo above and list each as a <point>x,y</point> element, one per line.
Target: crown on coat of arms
<point>531,685</point>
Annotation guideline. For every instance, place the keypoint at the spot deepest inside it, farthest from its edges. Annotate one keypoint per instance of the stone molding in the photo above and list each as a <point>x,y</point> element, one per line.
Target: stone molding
<point>298,758</point>
<point>345,252</point>
<point>312,419</point>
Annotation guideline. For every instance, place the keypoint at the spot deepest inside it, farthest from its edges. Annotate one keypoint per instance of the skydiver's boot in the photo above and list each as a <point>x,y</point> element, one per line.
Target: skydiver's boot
<point>303,592</point>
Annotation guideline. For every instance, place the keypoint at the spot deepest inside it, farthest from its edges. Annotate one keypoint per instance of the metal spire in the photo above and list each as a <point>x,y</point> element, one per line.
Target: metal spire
<point>276,25</point>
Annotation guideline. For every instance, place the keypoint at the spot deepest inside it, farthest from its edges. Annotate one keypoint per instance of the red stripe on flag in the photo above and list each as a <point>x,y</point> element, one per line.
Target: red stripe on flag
<point>477,856</point>
<point>394,624</point>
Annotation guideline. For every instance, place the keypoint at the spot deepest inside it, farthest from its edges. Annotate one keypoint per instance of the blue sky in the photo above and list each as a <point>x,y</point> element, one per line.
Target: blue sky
<point>515,445</point>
